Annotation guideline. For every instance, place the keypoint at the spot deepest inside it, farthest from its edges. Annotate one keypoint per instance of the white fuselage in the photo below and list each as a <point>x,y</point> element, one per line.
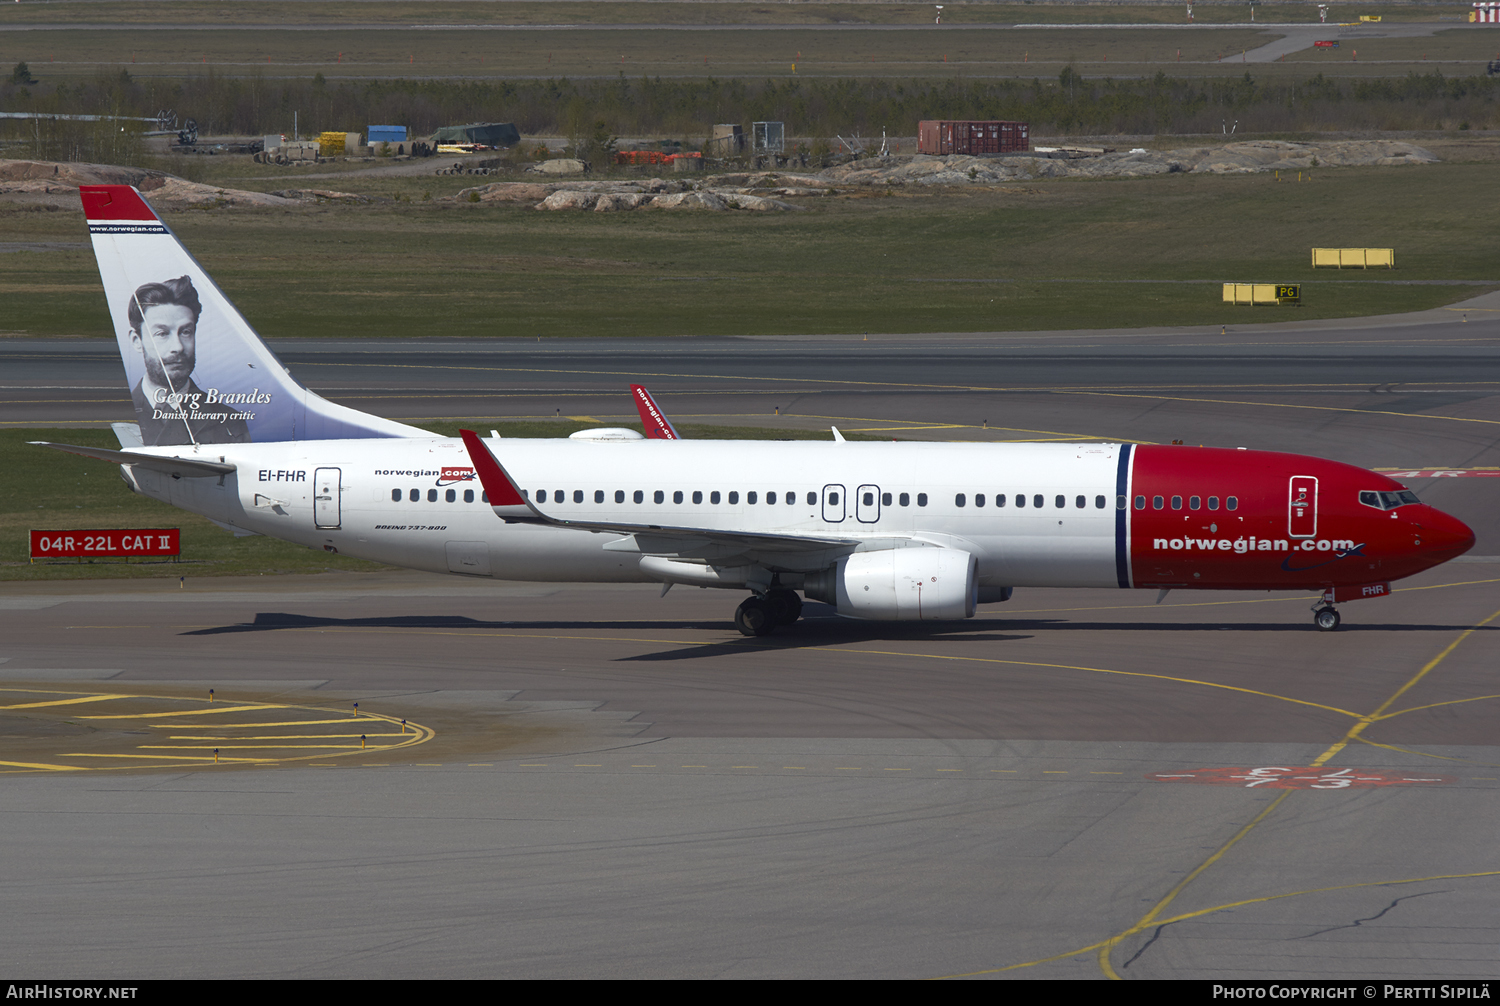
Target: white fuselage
<point>415,502</point>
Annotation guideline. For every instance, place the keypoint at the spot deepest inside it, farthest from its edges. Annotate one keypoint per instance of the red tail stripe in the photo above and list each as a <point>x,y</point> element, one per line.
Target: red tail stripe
<point>114,202</point>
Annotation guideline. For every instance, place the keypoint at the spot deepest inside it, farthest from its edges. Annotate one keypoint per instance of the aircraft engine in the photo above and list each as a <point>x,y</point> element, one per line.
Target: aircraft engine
<point>900,584</point>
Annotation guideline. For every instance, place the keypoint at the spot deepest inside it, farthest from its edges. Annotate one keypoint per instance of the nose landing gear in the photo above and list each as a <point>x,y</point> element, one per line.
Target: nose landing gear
<point>1325,615</point>
<point>759,615</point>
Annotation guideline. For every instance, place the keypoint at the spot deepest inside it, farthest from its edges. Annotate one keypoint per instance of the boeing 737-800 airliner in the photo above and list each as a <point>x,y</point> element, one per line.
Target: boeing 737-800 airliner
<point>879,530</point>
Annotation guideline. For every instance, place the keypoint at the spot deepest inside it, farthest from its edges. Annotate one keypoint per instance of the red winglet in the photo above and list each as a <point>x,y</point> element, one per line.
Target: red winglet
<point>658,427</point>
<point>114,202</point>
<point>497,484</point>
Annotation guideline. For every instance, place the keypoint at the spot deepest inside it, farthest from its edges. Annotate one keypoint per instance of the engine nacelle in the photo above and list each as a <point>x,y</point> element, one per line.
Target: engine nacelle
<point>900,584</point>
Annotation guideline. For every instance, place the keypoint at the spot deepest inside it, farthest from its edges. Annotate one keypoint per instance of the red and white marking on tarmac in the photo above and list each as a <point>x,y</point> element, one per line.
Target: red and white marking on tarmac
<point>1306,777</point>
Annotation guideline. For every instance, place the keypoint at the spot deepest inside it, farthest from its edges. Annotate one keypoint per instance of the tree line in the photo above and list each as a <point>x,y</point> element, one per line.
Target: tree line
<point>810,106</point>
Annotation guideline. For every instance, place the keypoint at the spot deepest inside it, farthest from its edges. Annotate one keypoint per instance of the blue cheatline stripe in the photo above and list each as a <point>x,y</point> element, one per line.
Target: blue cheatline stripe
<point>1122,542</point>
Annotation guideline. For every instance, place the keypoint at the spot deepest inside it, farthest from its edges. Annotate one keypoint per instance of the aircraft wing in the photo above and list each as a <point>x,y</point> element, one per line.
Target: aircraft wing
<point>677,541</point>
<point>185,468</point>
<point>658,426</point>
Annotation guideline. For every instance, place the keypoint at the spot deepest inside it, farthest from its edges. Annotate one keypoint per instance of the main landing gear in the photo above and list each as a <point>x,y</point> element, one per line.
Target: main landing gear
<point>1325,616</point>
<point>760,614</point>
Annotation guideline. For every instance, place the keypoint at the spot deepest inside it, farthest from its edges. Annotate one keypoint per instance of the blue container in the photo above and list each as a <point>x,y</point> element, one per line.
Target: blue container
<point>385,134</point>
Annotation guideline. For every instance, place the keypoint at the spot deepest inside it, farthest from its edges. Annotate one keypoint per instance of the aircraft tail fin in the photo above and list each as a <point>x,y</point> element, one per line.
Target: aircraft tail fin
<point>199,374</point>
<point>658,426</point>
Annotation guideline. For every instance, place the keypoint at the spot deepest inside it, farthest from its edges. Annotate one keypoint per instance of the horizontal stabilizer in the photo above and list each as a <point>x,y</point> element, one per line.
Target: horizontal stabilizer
<point>182,468</point>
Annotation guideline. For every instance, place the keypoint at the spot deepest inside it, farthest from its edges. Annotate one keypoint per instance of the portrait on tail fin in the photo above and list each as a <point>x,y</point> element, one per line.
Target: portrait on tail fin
<point>170,408</point>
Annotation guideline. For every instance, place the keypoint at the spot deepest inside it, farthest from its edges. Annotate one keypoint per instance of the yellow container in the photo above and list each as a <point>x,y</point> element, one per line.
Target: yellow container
<point>331,144</point>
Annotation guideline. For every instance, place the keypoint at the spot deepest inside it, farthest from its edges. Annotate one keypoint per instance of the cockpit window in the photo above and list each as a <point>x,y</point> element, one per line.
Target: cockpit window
<point>1388,500</point>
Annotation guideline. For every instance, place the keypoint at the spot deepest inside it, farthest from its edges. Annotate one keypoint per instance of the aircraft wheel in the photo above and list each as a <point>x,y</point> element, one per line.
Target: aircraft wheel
<point>1326,619</point>
<point>785,606</point>
<point>754,617</point>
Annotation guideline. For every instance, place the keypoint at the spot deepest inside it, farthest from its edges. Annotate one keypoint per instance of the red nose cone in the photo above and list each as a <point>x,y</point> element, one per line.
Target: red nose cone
<point>1443,537</point>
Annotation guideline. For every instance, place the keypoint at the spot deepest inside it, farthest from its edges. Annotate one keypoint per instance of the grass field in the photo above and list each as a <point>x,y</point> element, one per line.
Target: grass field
<point>530,12</point>
<point>1049,255</point>
<point>48,490</point>
<point>53,55</point>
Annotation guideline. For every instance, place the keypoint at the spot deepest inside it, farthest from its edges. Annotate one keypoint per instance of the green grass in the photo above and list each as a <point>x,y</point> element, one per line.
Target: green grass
<point>1051,255</point>
<point>561,52</point>
<point>45,489</point>
<point>531,12</point>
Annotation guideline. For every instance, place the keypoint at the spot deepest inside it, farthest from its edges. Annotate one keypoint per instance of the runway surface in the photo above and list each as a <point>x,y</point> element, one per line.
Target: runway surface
<point>1075,784</point>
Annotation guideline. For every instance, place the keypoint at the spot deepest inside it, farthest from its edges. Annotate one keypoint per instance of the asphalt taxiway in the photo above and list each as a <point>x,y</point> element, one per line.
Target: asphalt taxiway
<point>1077,783</point>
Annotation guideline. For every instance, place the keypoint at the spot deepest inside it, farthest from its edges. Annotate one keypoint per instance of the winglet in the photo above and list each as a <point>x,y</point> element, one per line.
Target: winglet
<point>658,426</point>
<point>505,498</point>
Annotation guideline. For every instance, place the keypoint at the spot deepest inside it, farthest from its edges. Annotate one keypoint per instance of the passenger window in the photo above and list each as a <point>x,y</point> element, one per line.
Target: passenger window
<point>791,498</point>
<point>1232,503</point>
<point>921,499</point>
<point>640,496</point>
<point>999,499</point>
<point>1176,502</point>
<point>869,499</point>
<point>619,495</point>
<point>1099,502</point>
<point>885,499</point>
<point>658,497</point>
<point>1036,500</point>
<point>416,494</point>
<point>812,499</point>
<point>958,499</point>
<point>713,497</point>
<point>1061,501</point>
<point>451,496</point>
<point>697,496</point>
<point>1080,502</point>
<point>1195,502</point>
<point>598,495</point>
<point>485,496</point>
<point>1020,499</point>
<point>396,495</point>
<point>979,499</point>
<point>541,495</point>
<point>468,496</point>
<point>905,499</point>
<point>1140,502</point>
<point>833,499</point>
<point>1156,502</point>
<point>558,495</point>
<point>771,498</point>
<point>432,495</point>
<point>734,498</point>
<point>1213,502</point>
<point>677,496</point>
<point>750,498</point>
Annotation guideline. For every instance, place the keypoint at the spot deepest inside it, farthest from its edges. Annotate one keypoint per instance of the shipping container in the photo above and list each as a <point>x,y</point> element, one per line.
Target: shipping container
<point>386,134</point>
<point>968,136</point>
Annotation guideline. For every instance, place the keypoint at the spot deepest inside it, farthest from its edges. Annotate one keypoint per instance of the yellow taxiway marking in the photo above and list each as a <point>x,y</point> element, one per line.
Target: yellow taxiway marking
<point>215,710</point>
<point>68,702</point>
<point>43,765</point>
<point>278,723</point>
<point>377,733</point>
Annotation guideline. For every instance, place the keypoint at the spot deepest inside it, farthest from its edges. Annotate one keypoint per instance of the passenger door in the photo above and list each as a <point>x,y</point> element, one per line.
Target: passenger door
<point>1302,507</point>
<point>326,498</point>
